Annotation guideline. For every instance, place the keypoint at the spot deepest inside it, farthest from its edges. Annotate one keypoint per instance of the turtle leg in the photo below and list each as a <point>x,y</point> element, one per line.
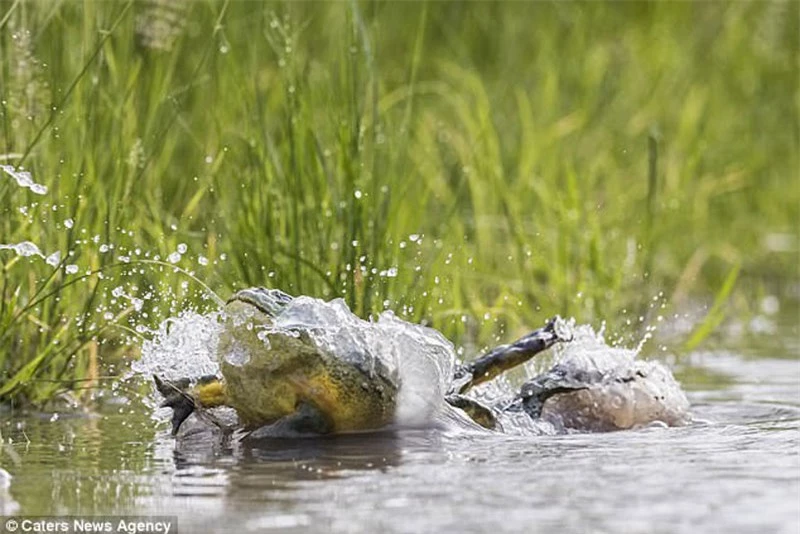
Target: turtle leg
<point>508,356</point>
<point>185,396</point>
<point>306,420</point>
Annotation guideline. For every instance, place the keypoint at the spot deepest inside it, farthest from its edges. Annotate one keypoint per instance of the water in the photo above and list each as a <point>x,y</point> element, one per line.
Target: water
<point>419,358</point>
<point>23,179</point>
<point>735,469</point>
<point>621,390</point>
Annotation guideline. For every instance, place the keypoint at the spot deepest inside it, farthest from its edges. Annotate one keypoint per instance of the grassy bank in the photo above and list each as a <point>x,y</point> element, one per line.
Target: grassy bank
<point>478,166</point>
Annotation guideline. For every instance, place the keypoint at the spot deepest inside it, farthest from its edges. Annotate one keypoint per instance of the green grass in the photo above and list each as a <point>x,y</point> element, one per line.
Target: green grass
<point>572,158</point>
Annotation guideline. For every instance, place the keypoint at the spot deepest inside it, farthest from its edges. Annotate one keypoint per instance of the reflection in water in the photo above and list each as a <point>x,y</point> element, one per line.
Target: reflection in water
<point>736,469</point>
<point>303,458</point>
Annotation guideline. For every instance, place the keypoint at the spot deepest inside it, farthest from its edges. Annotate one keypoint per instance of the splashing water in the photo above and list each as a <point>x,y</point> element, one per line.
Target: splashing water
<point>24,179</point>
<point>420,359</point>
<point>24,249</point>
<point>621,390</point>
<point>28,248</point>
<point>182,346</point>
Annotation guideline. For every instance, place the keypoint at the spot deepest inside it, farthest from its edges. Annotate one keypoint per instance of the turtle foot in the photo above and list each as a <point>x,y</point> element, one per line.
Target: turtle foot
<point>307,421</point>
<point>175,397</point>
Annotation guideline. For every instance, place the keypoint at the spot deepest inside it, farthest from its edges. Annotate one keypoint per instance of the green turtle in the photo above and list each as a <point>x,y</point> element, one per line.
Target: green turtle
<point>284,379</point>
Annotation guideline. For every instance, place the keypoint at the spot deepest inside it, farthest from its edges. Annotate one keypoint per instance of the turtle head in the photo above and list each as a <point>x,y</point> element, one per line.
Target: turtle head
<point>185,395</point>
<point>268,301</point>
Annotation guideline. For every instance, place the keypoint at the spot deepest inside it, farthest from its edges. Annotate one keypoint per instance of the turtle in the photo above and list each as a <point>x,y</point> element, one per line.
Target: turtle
<point>286,382</point>
<point>595,388</point>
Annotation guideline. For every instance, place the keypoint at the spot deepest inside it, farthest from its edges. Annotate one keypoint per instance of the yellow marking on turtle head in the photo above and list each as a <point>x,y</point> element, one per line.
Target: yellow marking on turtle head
<point>211,394</point>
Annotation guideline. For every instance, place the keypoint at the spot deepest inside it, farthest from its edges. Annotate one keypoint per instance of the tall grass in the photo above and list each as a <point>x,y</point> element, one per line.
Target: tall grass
<point>479,166</point>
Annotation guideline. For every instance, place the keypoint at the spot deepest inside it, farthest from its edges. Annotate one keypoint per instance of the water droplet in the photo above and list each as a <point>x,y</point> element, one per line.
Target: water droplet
<point>389,273</point>
<point>53,259</point>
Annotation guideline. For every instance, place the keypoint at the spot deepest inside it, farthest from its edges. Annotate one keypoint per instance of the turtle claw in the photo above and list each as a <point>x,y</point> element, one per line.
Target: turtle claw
<point>176,398</point>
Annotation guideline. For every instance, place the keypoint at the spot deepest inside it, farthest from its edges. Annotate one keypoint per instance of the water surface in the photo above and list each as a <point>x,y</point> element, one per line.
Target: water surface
<point>737,469</point>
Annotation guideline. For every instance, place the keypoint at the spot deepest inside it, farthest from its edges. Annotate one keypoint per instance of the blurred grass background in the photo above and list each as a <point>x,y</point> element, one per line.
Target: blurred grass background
<point>477,166</point>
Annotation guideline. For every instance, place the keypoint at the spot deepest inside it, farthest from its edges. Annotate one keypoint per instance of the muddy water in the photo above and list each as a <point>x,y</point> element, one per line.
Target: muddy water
<point>737,469</point>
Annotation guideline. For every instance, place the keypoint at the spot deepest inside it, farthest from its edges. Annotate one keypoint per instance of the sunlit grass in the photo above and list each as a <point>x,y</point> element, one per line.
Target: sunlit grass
<point>480,166</point>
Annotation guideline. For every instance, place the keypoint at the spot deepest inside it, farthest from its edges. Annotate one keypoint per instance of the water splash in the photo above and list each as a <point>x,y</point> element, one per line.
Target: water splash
<point>24,179</point>
<point>24,249</point>
<point>419,358</point>
<point>27,249</point>
<point>622,391</point>
<point>181,346</point>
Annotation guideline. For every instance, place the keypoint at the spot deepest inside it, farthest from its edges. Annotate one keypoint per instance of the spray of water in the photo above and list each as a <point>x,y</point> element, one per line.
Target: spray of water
<point>622,391</point>
<point>419,359</point>
<point>24,179</point>
<point>28,248</point>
